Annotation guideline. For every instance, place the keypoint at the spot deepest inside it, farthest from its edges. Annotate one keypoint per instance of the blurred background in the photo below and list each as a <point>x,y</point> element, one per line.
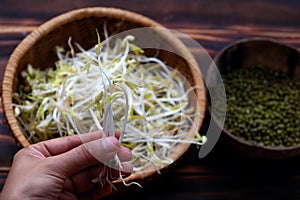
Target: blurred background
<point>207,21</point>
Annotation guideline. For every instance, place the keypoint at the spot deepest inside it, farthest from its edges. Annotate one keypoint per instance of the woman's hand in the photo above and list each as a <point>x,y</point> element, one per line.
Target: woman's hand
<point>64,168</point>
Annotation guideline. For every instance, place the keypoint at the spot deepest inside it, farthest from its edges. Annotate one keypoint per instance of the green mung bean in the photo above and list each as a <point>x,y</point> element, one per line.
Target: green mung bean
<point>263,106</point>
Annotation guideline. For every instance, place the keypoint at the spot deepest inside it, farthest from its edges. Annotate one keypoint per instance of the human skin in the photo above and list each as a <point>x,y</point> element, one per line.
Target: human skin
<point>63,168</point>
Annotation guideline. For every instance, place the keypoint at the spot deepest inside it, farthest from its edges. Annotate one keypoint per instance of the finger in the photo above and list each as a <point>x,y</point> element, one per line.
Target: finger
<point>67,195</point>
<point>124,154</point>
<point>63,144</point>
<point>87,179</point>
<point>127,168</point>
<point>97,192</point>
<point>83,180</point>
<point>85,156</point>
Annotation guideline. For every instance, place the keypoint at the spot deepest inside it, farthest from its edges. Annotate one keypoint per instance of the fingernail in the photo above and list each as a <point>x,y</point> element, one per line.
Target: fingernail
<point>110,144</point>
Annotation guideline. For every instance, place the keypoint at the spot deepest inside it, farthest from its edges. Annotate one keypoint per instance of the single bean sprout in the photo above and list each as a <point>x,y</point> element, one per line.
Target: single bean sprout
<point>109,88</point>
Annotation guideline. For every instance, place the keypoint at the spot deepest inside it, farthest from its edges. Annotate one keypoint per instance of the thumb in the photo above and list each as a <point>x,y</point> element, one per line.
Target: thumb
<point>88,154</point>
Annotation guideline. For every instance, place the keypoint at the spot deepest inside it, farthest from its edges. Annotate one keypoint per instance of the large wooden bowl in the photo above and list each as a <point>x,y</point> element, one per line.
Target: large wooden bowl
<point>38,47</point>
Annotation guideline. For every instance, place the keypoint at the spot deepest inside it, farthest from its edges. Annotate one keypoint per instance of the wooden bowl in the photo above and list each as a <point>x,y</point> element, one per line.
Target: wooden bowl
<point>38,47</point>
<point>270,54</point>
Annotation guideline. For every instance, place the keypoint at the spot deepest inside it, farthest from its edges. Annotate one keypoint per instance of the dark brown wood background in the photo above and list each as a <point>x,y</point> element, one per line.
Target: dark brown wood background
<point>223,174</point>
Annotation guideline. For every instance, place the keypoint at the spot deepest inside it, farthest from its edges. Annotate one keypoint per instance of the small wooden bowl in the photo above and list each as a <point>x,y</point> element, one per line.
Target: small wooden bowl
<point>270,54</point>
<point>38,47</point>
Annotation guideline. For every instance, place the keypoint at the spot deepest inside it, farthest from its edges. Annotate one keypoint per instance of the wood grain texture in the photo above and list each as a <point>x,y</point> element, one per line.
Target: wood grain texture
<point>223,174</point>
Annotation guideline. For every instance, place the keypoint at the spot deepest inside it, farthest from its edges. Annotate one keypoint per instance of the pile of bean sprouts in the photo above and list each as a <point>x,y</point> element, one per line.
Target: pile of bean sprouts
<point>109,87</point>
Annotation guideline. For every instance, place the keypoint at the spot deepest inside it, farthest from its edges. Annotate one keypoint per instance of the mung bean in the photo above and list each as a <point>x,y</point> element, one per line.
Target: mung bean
<point>263,106</point>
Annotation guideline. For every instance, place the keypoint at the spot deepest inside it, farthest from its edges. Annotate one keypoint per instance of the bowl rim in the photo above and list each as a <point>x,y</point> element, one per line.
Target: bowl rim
<point>253,39</point>
<point>228,133</point>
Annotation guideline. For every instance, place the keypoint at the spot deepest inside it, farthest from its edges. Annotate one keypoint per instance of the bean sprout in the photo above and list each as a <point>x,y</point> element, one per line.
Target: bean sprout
<point>110,88</point>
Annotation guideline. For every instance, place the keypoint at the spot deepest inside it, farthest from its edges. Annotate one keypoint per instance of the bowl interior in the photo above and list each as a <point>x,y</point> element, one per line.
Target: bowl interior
<point>266,53</point>
<point>38,49</point>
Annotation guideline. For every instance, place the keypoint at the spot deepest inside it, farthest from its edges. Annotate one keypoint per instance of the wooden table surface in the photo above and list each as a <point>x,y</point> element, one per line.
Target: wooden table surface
<point>223,174</point>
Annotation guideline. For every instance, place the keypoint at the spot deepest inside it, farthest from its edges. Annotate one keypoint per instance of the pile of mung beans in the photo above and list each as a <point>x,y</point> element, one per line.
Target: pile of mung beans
<point>263,106</point>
